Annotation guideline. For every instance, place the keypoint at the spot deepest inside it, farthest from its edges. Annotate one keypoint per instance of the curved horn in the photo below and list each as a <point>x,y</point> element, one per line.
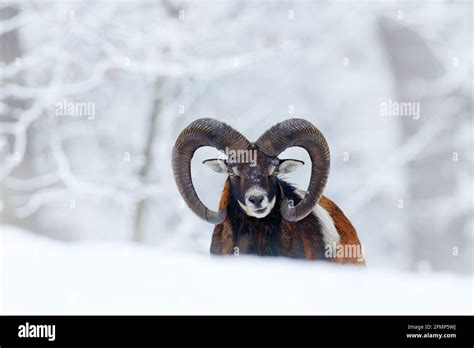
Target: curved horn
<point>299,132</point>
<point>202,132</point>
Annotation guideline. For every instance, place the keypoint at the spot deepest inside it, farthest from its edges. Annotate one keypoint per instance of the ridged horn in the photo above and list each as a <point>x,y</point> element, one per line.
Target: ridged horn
<point>301,133</point>
<point>202,132</point>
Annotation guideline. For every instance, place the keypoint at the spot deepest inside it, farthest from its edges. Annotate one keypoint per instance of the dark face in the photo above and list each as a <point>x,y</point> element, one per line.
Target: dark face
<point>254,179</point>
<point>255,186</point>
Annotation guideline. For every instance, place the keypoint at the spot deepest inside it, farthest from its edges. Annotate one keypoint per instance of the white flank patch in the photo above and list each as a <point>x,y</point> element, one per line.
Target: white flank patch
<point>328,229</point>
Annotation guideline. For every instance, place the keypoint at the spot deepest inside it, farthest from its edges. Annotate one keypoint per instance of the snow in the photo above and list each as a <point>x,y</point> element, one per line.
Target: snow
<point>148,69</point>
<point>44,276</point>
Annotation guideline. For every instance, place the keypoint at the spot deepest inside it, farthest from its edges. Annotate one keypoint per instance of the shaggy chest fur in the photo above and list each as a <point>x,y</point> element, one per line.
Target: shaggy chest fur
<point>271,235</point>
<point>255,236</point>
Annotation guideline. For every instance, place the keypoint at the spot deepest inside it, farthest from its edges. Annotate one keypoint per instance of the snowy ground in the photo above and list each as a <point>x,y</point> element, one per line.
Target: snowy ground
<point>42,276</point>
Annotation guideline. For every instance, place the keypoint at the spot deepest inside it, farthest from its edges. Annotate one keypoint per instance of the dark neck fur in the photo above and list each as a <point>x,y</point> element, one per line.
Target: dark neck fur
<point>259,236</point>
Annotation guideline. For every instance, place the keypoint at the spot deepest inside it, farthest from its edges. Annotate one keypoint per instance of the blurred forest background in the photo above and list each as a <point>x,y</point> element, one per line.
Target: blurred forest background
<point>93,95</point>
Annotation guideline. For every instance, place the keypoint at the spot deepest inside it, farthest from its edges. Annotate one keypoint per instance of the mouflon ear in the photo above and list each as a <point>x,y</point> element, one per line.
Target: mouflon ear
<point>217,165</point>
<point>289,165</point>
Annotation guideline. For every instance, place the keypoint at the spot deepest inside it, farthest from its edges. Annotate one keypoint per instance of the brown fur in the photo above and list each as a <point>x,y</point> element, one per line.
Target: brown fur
<point>222,239</point>
<point>346,231</point>
<point>300,239</point>
<point>222,236</point>
<point>225,195</point>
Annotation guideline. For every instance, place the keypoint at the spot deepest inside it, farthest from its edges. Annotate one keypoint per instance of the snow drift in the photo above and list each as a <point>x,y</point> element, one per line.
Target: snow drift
<point>43,276</point>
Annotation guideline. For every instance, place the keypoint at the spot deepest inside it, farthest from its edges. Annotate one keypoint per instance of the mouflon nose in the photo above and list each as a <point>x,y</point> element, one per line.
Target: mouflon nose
<point>256,200</point>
